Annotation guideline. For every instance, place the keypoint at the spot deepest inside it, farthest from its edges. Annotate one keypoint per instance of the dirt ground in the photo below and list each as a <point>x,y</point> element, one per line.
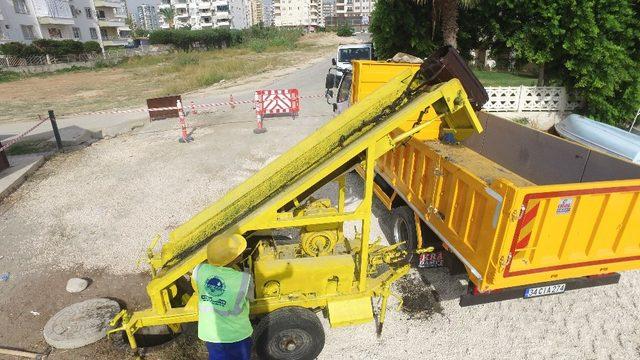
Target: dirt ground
<point>92,212</point>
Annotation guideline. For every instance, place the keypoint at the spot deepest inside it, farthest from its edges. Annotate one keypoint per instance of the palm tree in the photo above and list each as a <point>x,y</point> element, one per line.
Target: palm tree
<point>168,14</point>
<point>449,17</point>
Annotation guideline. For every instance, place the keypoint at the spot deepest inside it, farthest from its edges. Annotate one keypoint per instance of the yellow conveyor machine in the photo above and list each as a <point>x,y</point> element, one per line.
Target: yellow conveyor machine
<point>321,270</point>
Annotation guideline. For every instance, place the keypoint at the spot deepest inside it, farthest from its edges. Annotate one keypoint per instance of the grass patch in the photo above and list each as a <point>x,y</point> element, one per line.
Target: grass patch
<point>30,147</point>
<point>496,78</point>
<point>6,76</point>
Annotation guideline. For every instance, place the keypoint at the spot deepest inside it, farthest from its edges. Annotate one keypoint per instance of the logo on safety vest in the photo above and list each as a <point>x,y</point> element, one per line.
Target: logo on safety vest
<point>215,286</point>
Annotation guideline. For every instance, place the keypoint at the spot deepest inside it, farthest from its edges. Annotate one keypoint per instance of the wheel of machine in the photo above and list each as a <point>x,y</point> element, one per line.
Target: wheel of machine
<point>290,333</point>
<point>404,229</point>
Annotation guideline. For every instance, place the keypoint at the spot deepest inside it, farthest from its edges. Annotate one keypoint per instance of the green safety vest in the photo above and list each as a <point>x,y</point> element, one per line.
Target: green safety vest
<point>223,308</point>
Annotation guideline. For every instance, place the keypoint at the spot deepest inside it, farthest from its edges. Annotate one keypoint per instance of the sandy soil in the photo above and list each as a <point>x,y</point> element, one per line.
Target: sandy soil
<point>122,87</point>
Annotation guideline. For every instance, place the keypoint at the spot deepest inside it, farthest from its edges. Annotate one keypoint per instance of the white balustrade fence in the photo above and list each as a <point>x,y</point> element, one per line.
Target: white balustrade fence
<point>531,98</point>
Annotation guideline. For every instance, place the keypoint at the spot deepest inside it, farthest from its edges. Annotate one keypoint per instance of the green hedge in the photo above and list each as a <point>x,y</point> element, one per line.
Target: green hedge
<point>51,47</point>
<point>345,30</point>
<point>187,39</point>
<point>256,36</point>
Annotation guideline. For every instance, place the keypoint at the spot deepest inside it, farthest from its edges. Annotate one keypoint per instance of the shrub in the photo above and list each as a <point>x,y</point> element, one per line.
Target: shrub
<point>15,49</point>
<point>71,47</point>
<point>345,30</point>
<point>257,38</point>
<point>91,47</point>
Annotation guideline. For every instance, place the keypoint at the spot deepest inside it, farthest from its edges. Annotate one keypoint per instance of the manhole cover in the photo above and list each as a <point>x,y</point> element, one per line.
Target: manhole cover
<point>80,324</point>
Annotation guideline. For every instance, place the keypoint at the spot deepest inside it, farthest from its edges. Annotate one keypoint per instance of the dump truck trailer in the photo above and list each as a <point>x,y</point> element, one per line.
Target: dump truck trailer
<point>316,268</point>
<point>525,213</point>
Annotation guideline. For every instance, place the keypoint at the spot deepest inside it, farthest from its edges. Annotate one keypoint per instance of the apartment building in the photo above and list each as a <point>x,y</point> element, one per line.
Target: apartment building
<point>84,20</point>
<point>328,8</point>
<point>257,12</point>
<point>240,11</point>
<point>198,14</point>
<point>297,13</point>
<point>146,17</point>
<point>355,8</point>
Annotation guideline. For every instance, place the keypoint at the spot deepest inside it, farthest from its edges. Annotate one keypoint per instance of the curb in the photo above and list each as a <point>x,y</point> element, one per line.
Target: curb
<point>17,178</point>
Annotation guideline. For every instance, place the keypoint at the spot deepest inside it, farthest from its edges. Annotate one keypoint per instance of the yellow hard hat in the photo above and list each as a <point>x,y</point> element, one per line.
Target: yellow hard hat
<point>224,249</point>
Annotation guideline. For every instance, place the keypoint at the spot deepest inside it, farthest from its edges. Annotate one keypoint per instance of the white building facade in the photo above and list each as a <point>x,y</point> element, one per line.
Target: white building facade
<point>240,11</point>
<point>353,8</point>
<point>147,17</point>
<point>197,14</point>
<point>297,13</point>
<point>83,20</point>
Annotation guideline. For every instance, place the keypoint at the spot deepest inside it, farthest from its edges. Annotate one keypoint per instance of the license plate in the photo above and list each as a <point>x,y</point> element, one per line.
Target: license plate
<point>544,290</point>
<point>431,260</point>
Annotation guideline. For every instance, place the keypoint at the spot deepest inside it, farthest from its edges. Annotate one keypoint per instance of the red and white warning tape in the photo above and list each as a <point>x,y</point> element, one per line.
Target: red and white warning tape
<point>17,138</point>
<point>198,106</point>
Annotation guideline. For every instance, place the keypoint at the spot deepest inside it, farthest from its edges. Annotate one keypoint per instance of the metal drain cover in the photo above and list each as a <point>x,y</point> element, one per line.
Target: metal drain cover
<point>80,324</point>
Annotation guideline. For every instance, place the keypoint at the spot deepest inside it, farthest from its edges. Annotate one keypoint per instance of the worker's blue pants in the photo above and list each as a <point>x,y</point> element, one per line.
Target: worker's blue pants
<point>240,350</point>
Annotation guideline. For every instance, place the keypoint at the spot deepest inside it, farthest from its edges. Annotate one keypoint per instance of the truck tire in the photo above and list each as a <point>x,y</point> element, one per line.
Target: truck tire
<point>289,333</point>
<point>404,229</point>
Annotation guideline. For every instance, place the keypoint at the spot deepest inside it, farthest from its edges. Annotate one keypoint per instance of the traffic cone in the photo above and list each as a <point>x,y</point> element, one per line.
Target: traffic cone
<point>184,137</point>
<point>260,129</point>
<point>232,101</point>
<point>193,108</point>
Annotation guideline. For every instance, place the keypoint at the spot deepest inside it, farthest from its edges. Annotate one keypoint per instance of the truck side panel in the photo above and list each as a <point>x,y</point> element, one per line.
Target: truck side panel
<point>566,228</point>
<point>457,205</point>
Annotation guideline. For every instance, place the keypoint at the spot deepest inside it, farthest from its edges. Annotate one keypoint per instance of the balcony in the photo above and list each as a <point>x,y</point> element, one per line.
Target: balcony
<point>164,6</point>
<point>222,15</point>
<point>114,41</point>
<point>108,3</point>
<point>111,22</point>
<point>48,20</point>
<point>206,14</point>
<point>182,15</point>
<point>181,5</point>
<point>206,25</point>
<point>204,5</point>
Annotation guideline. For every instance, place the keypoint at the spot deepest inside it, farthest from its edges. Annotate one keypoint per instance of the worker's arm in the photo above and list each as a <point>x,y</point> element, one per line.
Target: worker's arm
<point>252,287</point>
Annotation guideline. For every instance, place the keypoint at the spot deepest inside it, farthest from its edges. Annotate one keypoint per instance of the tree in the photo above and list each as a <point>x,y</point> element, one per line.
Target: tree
<point>400,26</point>
<point>591,46</point>
<point>448,10</point>
<point>168,14</point>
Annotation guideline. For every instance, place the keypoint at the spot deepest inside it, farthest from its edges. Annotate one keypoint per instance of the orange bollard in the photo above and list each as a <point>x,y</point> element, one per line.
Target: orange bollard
<point>184,137</point>
<point>260,129</point>
<point>193,108</point>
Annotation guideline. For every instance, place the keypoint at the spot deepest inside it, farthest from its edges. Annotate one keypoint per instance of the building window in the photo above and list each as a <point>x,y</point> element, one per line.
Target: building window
<point>101,15</point>
<point>27,32</point>
<point>94,33</point>
<point>76,33</point>
<point>20,7</point>
<point>73,11</point>
<point>54,33</point>
<point>87,11</point>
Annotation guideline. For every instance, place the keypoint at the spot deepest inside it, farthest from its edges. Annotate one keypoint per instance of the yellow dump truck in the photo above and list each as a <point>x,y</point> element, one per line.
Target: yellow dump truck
<point>316,268</point>
<point>523,212</point>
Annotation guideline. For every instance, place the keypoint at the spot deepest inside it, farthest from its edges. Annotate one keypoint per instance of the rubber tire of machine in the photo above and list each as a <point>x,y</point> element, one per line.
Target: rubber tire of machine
<point>404,229</point>
<point>294,327</point>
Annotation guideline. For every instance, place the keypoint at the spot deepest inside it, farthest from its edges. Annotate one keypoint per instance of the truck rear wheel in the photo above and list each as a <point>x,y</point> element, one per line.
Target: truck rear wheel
<point>290,333</point>
<point>404,229</point>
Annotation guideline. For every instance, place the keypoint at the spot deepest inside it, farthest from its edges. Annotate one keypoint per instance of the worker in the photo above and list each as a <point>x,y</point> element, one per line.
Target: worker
<point>223,306</point>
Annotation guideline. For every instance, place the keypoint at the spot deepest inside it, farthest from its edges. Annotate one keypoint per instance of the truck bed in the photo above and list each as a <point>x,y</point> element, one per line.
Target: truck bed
<point>477,164</point>
<point>519,206</point>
